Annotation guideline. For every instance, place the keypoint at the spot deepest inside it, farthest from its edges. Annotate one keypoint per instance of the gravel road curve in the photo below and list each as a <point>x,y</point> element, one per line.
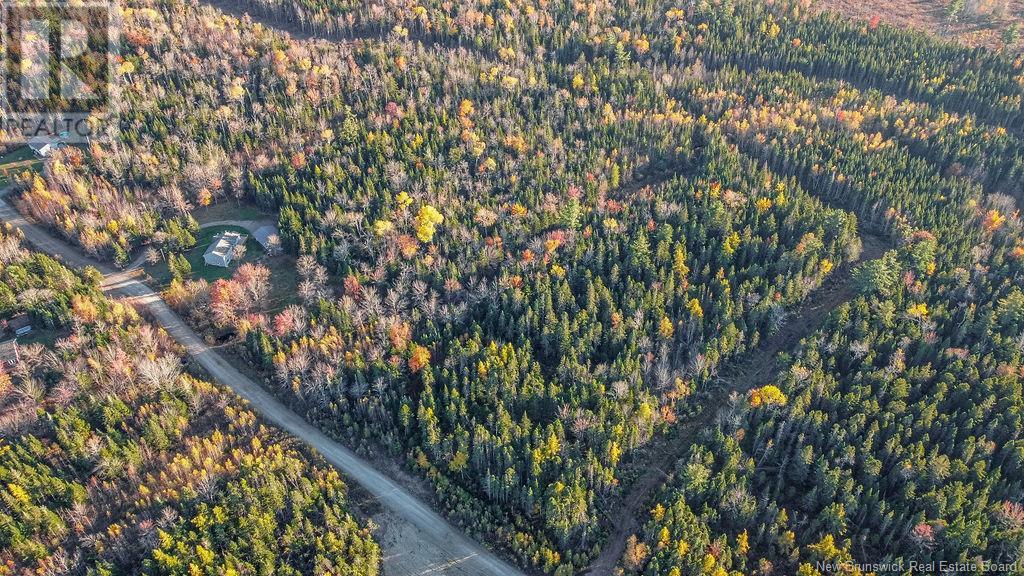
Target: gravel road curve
<point>421,543</point>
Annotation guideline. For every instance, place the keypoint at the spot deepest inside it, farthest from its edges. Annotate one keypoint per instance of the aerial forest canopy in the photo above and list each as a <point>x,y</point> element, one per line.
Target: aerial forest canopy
<point>528,238</point>
<point>115,460</point>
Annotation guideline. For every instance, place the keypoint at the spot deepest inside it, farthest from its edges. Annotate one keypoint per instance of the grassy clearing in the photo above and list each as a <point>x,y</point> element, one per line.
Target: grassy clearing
<point>16,161</point>
<point>980,22</point>
<point>283,280</point>
<point>17,155</point>
<point>43,335</point>
<point>230,210</point>
<point>253,253</point>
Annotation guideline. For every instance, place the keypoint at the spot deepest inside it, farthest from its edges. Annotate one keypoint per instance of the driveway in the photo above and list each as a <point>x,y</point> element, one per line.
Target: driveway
<point>415,539</point>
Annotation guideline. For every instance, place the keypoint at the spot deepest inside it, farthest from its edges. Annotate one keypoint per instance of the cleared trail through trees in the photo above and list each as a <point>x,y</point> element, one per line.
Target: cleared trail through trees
<point>751,370</point>
<point>241,8</point>
<point>417,532</point>
<point>414,538</point>
<point>284,24</point>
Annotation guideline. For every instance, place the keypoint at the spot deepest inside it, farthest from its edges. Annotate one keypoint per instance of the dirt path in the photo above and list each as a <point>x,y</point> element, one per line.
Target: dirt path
<point>418,541</point>
<point>250,225</point>
<point>414,538</point>
<point>756,368</point>
<point>240,9</point>
<point>44,242</point>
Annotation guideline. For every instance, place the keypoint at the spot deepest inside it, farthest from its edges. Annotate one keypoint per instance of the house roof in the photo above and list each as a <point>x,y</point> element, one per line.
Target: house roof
<point>19,321</point>
<point>223,245</point>
<point>43,145</point>
<point>263,234</point>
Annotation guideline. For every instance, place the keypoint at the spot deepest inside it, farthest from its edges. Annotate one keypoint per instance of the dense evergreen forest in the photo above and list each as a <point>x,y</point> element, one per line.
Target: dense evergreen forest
<point>114,460</point>
<point>528,236</point>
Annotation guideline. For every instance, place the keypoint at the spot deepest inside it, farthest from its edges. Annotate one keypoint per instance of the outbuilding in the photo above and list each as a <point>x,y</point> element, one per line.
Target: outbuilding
<point>19,325</point>
<point>266,235</point>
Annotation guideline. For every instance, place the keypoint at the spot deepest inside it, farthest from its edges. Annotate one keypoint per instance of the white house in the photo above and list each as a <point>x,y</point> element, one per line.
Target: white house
<point>222,249</point>
<point>43,147</point>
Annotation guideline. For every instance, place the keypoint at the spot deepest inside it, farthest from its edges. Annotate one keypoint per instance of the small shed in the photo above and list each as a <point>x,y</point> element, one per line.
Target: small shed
<point>19,325</point>
<point>9,353</point>
<point>222,249</point>
<point>264,234</point>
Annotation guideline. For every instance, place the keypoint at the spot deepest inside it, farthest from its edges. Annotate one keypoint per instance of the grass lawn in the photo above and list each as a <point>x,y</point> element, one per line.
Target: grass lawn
<point>283,279</point>
<point>230,210</point>
<point>200,269</point>
<point>16,161</point>
<point>17,155</point>
<point>284,282</point>
<point>43,335</point>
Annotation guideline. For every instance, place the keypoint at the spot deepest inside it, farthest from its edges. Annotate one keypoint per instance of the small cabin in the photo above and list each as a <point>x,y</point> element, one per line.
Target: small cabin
<point>266,235</point>
<point>19,325</point>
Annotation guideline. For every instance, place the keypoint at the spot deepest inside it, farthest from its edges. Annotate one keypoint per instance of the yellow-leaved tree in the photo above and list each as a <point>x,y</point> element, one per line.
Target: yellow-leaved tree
<point>769,395</point>
<point>427,220</point>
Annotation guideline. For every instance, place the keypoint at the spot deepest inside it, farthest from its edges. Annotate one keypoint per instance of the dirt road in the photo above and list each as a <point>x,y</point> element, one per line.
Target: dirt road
<point>43,241</point>
<point>756,368</point>
<point>415,539</point>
